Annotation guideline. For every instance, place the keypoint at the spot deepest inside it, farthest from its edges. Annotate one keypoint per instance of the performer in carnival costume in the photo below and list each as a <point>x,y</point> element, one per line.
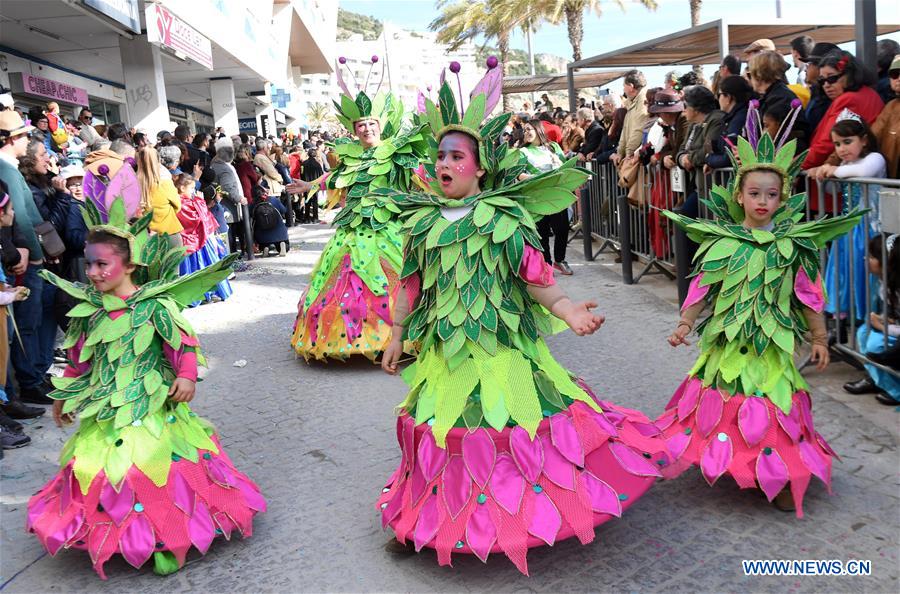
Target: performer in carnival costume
<point>744,408</point>
<point>346,309</point>
<point>502,448</point>
<point>143,475</point>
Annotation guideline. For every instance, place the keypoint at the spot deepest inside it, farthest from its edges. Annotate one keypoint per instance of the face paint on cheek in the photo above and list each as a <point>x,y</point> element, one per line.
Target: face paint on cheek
<point>115,267</point>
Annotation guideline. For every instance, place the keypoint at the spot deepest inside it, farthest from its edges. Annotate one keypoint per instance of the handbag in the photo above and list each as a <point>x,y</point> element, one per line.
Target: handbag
<point>51,243</point>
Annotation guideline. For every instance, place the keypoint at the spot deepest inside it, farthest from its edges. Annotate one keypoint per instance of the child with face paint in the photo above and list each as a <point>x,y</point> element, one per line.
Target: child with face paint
<point>744,410</point>
<point>503,449</point>
<point>142,476</point>
<point>346,309</point>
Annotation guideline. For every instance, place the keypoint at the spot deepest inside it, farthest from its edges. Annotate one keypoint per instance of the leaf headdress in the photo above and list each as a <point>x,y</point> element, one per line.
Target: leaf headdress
<point>363,105</point>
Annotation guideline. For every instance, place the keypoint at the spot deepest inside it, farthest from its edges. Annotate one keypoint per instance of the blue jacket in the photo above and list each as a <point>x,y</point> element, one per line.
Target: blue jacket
<point>218,211</point>
<point>733,127</point>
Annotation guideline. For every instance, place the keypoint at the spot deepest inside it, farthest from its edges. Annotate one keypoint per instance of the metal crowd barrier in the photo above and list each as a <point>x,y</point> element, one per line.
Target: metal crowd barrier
<point>630,223</point>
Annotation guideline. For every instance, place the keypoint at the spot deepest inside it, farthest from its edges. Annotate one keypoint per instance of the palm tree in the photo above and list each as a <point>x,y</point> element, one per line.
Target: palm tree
<point>573,11</point>
<point>695,21</point>
<point>464,20</point>
<point>318,114</point>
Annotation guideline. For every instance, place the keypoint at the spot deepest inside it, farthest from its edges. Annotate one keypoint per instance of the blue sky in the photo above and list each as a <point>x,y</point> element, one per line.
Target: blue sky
<point>617,28</point>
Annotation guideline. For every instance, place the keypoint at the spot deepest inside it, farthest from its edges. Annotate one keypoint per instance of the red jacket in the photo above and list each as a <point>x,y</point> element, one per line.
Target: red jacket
<point>552,131</point>
<point>865,102</point>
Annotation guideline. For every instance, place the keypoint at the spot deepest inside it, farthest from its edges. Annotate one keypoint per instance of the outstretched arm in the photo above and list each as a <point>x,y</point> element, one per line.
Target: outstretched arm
<point>577,315</point>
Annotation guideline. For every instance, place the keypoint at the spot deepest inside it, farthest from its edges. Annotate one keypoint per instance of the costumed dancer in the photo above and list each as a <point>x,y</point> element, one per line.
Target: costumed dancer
<point>346,310</point>
<point>744,408</point>
<point>143,476</point>
<point>502,448</point>
<point>200,238</point>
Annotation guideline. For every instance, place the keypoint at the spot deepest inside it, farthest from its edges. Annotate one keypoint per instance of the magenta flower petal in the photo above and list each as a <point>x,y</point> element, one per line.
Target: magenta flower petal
<point>565,438</point>
<point>432,459</point>
<point>137,541</point>
<point>753,420</point>
<point>604,499</point>
<point>815,462</point>
<point>789,423</point>
<point>556,468</point>
<point>181,493</point>
<point>632,461</point>
<point>677,444</point>
<point>771,472</point>
<point>428,523</point>
<point>64,533</point>
<point>716,457</point>
<point>528,453</point>
<point>481,534</point>
<point>117,504</point>
<point>709,413</point>
<point>545,519</point>
<point>689,398</point>
<point>456,486</point>
<point>200,527</point>
<point>507,484</point>
<point>479,453</point>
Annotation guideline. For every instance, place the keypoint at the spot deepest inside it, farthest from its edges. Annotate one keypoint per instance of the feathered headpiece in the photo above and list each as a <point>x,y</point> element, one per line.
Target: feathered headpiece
<point>501,165</point>
<point>354,107</point>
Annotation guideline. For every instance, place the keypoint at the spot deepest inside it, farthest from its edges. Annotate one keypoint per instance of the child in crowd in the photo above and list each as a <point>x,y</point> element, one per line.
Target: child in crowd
<point>744,408</point>
<point>159,195</point>
<point>857,148</point>
<point>883,262</point>
<point>143,475</point>
<point>200,237</point>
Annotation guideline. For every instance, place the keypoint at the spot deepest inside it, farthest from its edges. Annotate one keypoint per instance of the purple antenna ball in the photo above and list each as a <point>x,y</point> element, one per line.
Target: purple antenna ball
<point>103,169</point>
<point>796,103</point>
<point>492,62</point>
<point>131,162</point>
<point>428,88</point>
<point>342,60</point>
<point>374,59</point>
<point>754,103</point>
<point>455,67</point>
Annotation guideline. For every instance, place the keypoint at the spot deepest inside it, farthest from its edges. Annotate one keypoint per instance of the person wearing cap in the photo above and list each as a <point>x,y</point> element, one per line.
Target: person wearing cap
<point>760,45</point>
<point>887,127</point>
<point>734,99</point>
<point>74,228</point>
<point>886,51</point>
<point>13,146</point>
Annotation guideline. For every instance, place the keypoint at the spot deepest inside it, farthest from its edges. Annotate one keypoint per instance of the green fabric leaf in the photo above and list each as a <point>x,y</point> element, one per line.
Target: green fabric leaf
<point>143,338</point>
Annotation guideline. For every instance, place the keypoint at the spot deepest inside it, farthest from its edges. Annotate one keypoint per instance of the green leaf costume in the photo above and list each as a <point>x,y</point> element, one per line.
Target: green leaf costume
<point>156,467</point>
<point>346,308</point>
<point>744,408</point>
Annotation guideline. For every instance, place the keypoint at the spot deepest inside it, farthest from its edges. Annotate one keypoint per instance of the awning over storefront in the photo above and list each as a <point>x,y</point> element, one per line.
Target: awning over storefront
<point>556,82</point>
<point>709,42</point>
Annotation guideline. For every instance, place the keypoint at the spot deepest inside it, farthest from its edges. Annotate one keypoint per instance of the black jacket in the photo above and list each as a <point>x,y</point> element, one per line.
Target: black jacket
<point>732,127</point>
<point>595,139</point>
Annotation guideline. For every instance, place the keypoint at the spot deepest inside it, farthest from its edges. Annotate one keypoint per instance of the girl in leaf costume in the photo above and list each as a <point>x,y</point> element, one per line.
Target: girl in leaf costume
<point>744,408</point>
<point>502,448</point>
<point>143,475</point>
<point>346,309</point>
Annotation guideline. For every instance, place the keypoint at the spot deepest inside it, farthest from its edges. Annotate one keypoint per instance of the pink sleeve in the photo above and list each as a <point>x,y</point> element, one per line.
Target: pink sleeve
<point>74,368</point>
<point>534,270</point>
<point>183,361</point>
<point>811,294</point>
<point>413,286</point>
<point>696,293</point>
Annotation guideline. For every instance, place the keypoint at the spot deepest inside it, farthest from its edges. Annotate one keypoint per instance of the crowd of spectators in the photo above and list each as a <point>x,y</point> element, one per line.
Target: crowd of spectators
<point>199,188</point>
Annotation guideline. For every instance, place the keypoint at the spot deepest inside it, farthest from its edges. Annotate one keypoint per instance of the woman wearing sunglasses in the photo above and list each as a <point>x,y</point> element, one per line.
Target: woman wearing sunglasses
<point>887,127</point>
<point>849,85</point>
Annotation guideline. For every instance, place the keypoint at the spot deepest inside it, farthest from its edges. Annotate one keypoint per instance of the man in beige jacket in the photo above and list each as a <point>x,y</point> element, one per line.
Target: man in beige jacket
<point>266,165</point>
<point>636,116</point>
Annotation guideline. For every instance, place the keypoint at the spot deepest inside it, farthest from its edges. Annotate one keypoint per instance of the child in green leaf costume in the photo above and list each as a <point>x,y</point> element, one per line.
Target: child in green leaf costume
<point>502,448</point>
<point>143,476</point>
<point>744,408</point>
<point>346,309</point>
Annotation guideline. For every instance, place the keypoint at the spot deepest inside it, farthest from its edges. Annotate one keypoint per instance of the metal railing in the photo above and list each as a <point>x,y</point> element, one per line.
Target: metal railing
<point>629,222</point>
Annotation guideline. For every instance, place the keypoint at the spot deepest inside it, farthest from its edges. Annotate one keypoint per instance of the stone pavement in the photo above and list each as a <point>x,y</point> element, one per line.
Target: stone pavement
<point>320,441</point>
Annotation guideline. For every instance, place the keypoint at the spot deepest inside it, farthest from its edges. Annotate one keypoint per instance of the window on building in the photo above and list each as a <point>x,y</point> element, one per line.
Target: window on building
<point>108,113</point>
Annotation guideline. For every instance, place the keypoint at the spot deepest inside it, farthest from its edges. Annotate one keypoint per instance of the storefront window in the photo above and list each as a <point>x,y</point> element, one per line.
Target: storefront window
<point>108,113</point>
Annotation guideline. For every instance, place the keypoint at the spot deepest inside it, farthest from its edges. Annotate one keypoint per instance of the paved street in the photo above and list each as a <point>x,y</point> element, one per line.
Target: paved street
<point>320,442</point>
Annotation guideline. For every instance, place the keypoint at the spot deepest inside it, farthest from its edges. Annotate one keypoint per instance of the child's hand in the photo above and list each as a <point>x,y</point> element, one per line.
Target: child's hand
<point>581,319</point>
<point>824,171</point>
<point>876,322</point>
<point>820,356</point>
<point>182,390</point>
<point>22,293</point>
<point>678,337</point>
<point>58,417</point>
<point>392,355</point>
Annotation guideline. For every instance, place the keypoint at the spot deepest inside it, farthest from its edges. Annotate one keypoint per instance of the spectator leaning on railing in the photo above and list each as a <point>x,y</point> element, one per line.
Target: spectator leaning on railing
<point>636,115</point>
<point>701,110</point>
<point>734,99</point>
<point>887,127</point>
